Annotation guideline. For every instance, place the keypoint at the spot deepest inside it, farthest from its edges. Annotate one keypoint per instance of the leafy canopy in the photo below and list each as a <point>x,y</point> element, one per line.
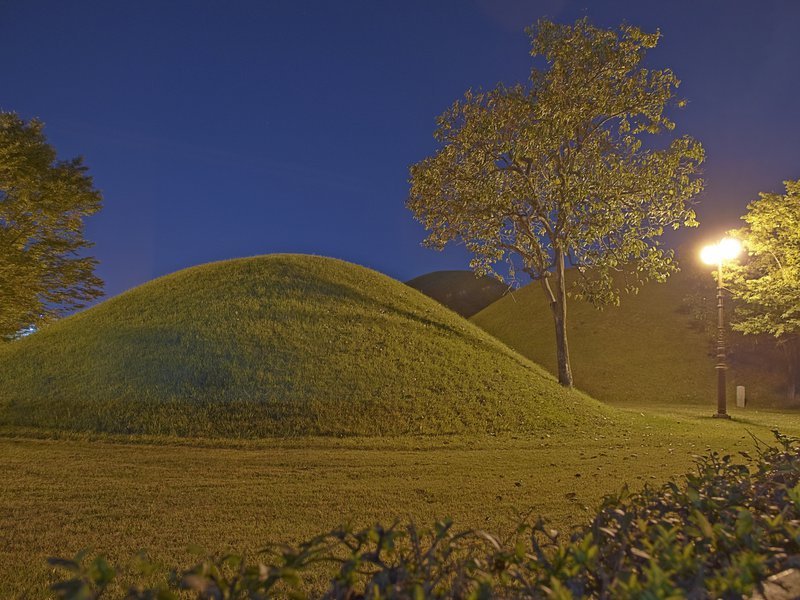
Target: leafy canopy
<point>560,166</point>
<point>769,282</point>
<point>43,202</point>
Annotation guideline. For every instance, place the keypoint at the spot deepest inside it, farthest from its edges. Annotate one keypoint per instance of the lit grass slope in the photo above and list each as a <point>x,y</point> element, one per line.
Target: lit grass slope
<point>644,352</point>
<point>278,345</point>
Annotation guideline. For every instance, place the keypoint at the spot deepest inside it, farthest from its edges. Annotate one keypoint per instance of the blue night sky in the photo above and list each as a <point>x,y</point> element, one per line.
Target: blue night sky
<point>225,129</point>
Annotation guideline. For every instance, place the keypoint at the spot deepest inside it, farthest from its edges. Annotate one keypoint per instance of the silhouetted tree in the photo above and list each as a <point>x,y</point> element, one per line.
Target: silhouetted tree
<point>43,202</point>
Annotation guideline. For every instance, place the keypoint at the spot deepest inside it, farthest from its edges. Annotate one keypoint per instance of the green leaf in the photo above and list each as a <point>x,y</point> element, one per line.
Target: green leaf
<point>703,524</point>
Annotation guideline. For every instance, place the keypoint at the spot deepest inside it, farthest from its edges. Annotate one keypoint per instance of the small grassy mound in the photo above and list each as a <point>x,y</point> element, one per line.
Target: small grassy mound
<point>278,345</point>
<point>460,291</point>
<point>647,351</point>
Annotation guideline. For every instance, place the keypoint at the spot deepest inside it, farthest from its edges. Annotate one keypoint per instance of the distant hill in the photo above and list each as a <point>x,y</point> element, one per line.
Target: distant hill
<point>278,345</point>
<point>648,350</point>
<point>460,291</point>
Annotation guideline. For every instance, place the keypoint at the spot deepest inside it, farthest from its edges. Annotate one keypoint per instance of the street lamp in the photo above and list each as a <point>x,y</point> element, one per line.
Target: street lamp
<point>716,254</point>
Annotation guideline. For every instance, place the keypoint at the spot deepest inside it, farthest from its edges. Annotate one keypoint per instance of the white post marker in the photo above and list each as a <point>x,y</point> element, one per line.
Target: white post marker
<point>741,400</point>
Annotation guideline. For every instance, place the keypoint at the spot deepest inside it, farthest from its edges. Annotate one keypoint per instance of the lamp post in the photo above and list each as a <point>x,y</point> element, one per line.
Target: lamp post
<point>716,254</point>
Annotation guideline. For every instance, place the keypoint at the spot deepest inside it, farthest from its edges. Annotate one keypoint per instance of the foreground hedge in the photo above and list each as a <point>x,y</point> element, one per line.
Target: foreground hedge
<point>727,528</point>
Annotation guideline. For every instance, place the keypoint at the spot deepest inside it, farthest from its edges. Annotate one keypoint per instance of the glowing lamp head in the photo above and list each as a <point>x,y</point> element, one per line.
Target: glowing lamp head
<point>727,249</point>
<point>710,255</point>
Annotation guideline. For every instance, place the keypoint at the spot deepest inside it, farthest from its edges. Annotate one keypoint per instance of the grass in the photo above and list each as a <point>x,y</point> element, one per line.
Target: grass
<point>281,345</point>
<point>117,494</point>
<point>646,352</point>
<point>189,411</point>
<point>460,291</point>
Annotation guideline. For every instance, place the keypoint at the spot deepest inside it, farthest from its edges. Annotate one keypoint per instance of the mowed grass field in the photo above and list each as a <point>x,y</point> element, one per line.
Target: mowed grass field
<point>117,495</point>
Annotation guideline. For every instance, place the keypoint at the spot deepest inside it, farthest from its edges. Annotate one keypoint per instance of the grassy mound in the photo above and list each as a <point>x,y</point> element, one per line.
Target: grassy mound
<point>278,345</point>
<point>460,291</point>
<point>647,351</point>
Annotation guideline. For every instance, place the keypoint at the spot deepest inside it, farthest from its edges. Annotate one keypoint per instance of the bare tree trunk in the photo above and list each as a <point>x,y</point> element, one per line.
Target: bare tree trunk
<point>792,354</point>
<point>558,306</point>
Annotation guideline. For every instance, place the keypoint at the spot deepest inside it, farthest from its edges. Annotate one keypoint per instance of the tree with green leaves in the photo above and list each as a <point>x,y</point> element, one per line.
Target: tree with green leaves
<point>767,283</point>
<point>561,172</point>
<point>43,203</point>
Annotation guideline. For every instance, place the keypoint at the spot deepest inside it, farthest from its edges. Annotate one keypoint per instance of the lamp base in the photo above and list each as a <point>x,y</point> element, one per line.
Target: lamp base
<point>721,416</point>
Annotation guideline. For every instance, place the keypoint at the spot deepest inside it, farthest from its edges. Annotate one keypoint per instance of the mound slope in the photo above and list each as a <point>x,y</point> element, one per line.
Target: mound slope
<point>460,291</point>
<point>646,351</point>
<point>278,345</point>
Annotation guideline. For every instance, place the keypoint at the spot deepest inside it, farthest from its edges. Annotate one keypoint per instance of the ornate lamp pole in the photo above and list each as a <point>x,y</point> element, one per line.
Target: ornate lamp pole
<point>716,254</point>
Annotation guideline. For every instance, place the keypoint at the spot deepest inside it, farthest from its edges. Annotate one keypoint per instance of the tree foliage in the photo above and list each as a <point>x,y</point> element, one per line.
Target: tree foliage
<point>43,202</point>
<point>559,170</point>
<point>768,282</point>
